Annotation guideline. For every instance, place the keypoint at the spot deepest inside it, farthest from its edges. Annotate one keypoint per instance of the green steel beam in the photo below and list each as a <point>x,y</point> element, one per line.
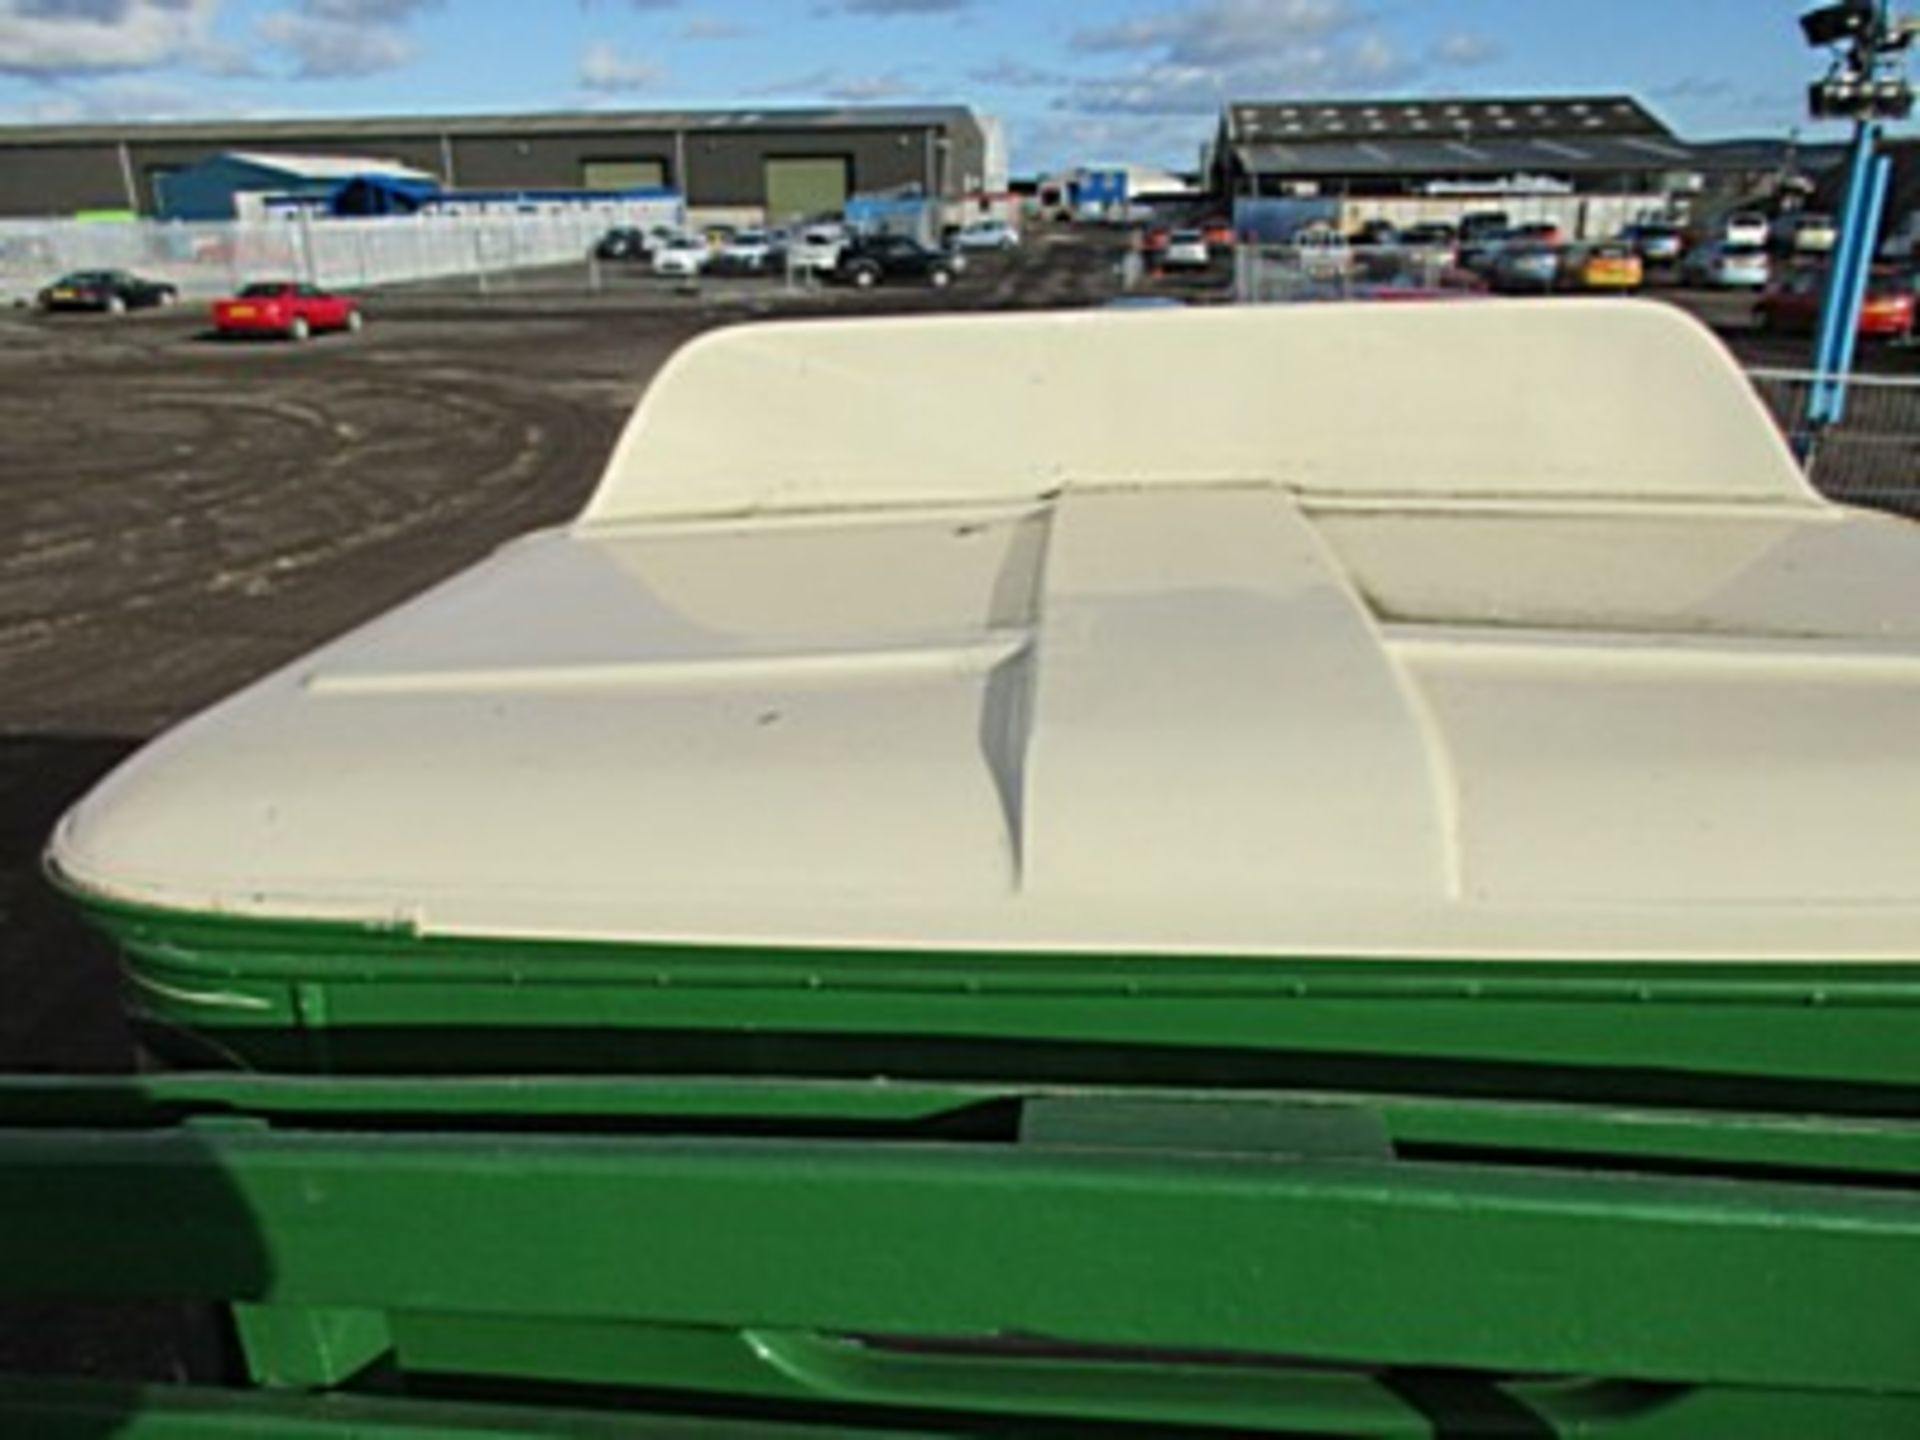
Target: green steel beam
<point>1606,1135</point>
<point>57,1410</point>
<point>1340,1260</point>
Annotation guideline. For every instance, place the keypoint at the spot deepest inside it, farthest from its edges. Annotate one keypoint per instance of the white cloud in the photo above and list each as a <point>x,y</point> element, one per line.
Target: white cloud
<point>324,49</point>
<point>1011,73</point>
<point>1193,58</point>
<point>1465,49</point>
<point>128,98</point>
<point>832,84</point>
<point>708,27</point>
<point>47,39</point>
<point>1223,32</point>
<point>335,39</point>
<point>603,67</point>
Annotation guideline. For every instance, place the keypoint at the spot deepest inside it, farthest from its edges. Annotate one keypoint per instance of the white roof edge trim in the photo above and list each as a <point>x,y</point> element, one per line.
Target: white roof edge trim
<point>1500,400</point>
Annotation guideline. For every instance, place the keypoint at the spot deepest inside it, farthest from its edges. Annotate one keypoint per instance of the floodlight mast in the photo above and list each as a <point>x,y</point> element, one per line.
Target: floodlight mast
<point>1867,84</point>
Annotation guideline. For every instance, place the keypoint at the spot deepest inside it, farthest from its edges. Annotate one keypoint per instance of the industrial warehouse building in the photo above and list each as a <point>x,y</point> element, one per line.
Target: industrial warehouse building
<point>780,162</point>
<point>1597,144</point>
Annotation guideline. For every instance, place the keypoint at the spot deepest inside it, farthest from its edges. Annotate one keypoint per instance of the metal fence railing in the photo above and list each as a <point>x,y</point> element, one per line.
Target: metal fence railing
<point>1267,274</point>
<point>212,258</point>
<point>1872,457</point>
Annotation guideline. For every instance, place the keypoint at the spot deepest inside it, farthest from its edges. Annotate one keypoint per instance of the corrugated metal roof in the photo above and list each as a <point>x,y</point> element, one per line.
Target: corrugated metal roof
<point>1566,117</point>
<point>326,167</point>
<point>241,132</point>
<point>1458,157</point>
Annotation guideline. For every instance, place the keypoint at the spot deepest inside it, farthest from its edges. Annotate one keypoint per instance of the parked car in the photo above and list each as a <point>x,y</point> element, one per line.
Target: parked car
<point>1526,267</point>
<point>1805,232</point>
<point>1538,232</point>
<point>750,251</point>
<point>1607,265</point>
<point>1376,232</point>
<point>1483,224</point>
<point>1186,250</point>
<point>1727,266</point>
<point>1744,228</point>
<point>285,309</point>
<point>1153,241</point>
<point>1433,243</point>
<point>871,260</point>
<point>681,256</point>
<point>817,247</point>
<point>622,243</point>
<point>1324,253</point>
<point>114,291</point>
<point>1219,234</point>
<point>1656,242</point>
<point>987,235</point>
<point>1793,306</point>
<point>1480,252</point>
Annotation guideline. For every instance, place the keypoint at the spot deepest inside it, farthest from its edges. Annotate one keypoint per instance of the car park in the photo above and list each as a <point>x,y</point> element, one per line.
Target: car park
<point>1483,224</point>
<point>871,260</point>
<point>1805,232</point>
<point>1657,242</point>
<point>112,291</point>
<point>1480,251</point>
<point>622,243</point>
<point>817,248</point>
<point>285,309</point>
<point>1538,232</point>
<point>987,235</point>
<point>1324,253</point>
<point>1728,266</point>
<point>682,256</point>
<point>1186,250</point>
<point>1433,243</point>
<point>750,252</point>
<point>1792,307</point>
<point>1526,267</point>
<point>1605,265</point>
<point>1745,228</point>
<point>1376,232</point>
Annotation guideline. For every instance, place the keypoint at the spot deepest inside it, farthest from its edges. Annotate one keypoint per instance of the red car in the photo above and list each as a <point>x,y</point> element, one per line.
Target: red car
<point>1793,306</point>
<point>285,309</point>
<point>1219,234</point>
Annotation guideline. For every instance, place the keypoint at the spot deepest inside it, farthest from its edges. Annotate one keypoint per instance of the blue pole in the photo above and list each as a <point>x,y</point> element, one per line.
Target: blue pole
<point>1847,278</point>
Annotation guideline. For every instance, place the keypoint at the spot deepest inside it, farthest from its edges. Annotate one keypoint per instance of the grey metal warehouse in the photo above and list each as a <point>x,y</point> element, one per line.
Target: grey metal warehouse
<point>1597,144</point>
<point>787,162</point>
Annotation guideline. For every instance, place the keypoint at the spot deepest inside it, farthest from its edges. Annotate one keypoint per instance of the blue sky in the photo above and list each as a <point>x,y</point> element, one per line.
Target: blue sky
<point>1129,79</point>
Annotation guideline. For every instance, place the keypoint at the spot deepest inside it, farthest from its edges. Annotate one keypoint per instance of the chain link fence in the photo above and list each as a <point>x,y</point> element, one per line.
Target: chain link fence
<point>209,259</point>
<point>1872,457</point>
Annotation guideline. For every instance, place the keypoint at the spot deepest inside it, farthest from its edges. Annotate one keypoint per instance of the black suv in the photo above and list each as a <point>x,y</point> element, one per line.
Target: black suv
<point>869,260</point>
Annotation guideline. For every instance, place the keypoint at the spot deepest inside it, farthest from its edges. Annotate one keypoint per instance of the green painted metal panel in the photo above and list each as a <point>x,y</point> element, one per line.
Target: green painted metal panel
<point>389,999</point>
<point>1508,1269</point>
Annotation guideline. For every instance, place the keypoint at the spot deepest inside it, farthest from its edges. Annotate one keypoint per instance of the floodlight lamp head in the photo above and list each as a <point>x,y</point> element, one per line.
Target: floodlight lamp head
<point>1838,24</point>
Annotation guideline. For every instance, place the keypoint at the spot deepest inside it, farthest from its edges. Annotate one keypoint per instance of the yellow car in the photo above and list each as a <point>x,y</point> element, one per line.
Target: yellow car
<point>1609,266</point>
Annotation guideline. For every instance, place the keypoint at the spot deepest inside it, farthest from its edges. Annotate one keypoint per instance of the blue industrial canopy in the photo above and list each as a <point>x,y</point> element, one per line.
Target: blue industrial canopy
<point>381,195</point>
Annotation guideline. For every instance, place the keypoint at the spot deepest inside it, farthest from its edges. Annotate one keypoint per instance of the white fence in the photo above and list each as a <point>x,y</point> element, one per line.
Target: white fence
<point>208,259</point>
